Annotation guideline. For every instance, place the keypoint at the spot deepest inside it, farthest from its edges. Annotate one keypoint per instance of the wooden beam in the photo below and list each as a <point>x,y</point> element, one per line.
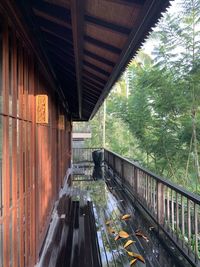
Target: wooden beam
<point>111,48</point>
<point>88,101</point>
<point>37,42</point>
<point>77,15</point>
<point>94,67</point>
<point>49,32</point>
<point>92,85</point>
<point>107,25</point>
<point>90,96</point>
<point>151,11</point>
<point>54,27</point>
<point>62,55</point>
<point>61,65</point>
<point>128,2</point>
<point>60,3</point>
<point>60,46</point>
<point>99,58</point>
<point>52,19</point>
<point>94,77</point>
<point>90,93</point>
<point>87,76</point>
<point>53,10</point>
<point>93,81</point>
<point>92,88</point>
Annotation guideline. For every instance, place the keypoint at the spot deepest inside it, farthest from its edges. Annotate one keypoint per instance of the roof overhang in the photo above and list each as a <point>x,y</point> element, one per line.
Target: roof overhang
<point>89,43</point>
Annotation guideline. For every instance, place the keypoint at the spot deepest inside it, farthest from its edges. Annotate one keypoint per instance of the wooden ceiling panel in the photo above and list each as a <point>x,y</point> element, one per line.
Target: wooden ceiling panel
<point>105,35</point>
<point>60,3</point>
<point>99,58</point>
<point>54,27</point>
<point>98,63</point>
<point>53,19</point>
<point>88,77</point>
<point>86,44</point>
<point>95,72</point>
<point>98,69</point>
<point>124,15</point>
<point>101,52</point>
<point>94,77</point>
<point>53,34</point>
<point>52,10</point>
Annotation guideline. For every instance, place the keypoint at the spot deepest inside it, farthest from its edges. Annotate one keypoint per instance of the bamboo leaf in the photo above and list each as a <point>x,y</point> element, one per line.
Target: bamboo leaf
<point>108,222</point>
<point>123,234</point>
<point>128,243</point>
<point>117,237</point>
<point>135,255</point>
<point>133,262</point>
<point>126,217</point>
<point>111,230</point>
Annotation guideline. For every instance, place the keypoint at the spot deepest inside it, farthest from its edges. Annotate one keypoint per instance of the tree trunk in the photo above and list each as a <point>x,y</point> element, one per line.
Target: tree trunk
<point>196,155</point>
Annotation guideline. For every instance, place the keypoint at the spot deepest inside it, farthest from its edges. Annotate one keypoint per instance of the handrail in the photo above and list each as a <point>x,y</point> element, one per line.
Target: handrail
<point>83,154</point>
<point>175,210</point>
<point>194,197</point>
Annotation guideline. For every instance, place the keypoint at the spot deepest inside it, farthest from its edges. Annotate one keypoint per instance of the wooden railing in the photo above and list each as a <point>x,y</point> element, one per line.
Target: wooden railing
<point>175,210</point>
<point>81,155</point>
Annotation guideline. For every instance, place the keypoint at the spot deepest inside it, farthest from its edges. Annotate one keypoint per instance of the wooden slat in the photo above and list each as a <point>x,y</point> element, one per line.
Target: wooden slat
<point>77,13</point>
<point>62,54</point>
<point>107,25</point>
<point>92,81</point>
<point>99,58</point>
<point>56,28</point>
<point>60,3</point>
<point>94,67</point>
<point>101,44</point>
<point>91,91</point>
<point>53,46</point>
<point>62,37</point>
<point>94,77</point>
<point>128,2</point>
<point>5,149</point>
<point>52,19</point>
<point>53,10</point>
<point>93,87</point>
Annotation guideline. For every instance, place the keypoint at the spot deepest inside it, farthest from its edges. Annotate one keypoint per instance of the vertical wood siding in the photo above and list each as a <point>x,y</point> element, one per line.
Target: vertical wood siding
<point>33,157</point>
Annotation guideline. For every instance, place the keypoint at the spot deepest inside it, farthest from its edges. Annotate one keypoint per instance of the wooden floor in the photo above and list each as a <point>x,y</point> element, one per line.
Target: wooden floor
<point>88,218</point>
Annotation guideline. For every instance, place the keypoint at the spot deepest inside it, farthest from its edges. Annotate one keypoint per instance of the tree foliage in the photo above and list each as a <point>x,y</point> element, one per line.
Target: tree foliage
<point>153,114</point>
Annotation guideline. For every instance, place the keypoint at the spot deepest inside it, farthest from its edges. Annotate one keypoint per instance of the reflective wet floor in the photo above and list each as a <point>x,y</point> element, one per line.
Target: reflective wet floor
<point>110,203</point>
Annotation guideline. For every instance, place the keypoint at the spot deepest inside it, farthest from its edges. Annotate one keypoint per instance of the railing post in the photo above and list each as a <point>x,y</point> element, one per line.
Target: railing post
<point>136,177</point>
<point>114,167</point>
<point>122,171</point>
<point>160,203</point>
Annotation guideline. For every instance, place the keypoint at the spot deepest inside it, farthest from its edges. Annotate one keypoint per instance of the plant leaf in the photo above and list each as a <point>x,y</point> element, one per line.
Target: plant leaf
<point>135,255</point>
<point>117,237</point>
<point>128,243</point>
<point>126,217</point>
<point>130,253</point>
<point>111,230</point>
<point>133,262</point>
<point>123,234</point>
<point>139,233</point>
<point>108,222</point>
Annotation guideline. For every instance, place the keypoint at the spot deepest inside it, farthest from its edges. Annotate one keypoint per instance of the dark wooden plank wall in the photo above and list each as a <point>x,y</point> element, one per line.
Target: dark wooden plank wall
<point>33,158</point>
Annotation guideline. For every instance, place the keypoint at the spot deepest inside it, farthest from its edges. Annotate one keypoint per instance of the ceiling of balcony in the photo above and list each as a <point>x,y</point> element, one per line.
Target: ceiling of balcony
<point>88,43</point>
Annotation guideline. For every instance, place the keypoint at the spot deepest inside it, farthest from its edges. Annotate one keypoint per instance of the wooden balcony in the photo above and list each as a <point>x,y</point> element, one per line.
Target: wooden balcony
<point>163,219</point>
